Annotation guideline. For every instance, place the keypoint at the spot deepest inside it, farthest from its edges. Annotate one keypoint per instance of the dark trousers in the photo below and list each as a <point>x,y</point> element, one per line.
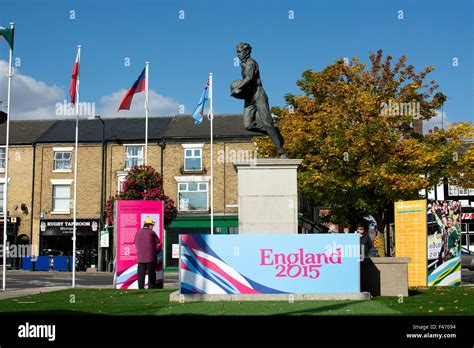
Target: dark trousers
<point>150,268</point>
<point>258,118</point>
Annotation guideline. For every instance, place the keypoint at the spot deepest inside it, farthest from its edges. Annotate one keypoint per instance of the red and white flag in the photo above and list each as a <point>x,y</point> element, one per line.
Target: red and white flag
<point>74,89</point>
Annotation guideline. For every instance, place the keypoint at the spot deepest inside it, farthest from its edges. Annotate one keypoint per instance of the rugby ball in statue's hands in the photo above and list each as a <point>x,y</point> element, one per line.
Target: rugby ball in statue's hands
<point>235,91</point>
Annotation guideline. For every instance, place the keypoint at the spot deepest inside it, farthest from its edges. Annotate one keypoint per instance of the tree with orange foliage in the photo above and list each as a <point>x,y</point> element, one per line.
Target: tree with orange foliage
<point>353,128</point>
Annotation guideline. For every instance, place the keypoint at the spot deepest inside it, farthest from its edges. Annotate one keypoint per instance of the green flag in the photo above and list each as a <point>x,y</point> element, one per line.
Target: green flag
<point>7,33</point>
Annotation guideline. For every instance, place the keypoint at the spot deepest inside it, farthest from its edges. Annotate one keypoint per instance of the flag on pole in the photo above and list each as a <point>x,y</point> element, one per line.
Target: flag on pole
<point>7,34</point>
<point>138,86</point>
<point>75,78</point>
<point>74,90</point>
<point>198,113</point>
<point>211,119</point>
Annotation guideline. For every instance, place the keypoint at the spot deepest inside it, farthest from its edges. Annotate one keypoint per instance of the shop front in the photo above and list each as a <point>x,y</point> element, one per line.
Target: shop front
<point>194,224</point>
<point>467,228</point>
<point>56,240</point>
<point>12,231</point>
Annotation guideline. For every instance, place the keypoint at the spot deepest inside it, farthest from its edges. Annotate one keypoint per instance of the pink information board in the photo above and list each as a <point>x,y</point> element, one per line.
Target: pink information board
<point>129,218</point>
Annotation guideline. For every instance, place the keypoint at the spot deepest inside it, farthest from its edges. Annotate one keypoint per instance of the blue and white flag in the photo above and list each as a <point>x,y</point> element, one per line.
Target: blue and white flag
<point>198,113</point>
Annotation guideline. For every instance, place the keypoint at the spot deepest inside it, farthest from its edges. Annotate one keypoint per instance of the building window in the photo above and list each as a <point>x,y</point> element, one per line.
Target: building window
<point>192,159</point>
<point>133,156</point>
<point>471,192</point>
<point>463,192</point>
<point>453,190</point>
<point>232,230</point>
<point>62,160</point>
<point>192,196</point>
<point>61,198</point>
<point>2,158</point>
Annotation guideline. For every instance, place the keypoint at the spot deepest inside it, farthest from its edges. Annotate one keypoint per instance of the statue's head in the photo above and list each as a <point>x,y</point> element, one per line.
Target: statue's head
<point>243,50</point>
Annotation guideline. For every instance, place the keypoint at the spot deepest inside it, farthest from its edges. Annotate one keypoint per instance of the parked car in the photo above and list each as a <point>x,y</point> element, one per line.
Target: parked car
<point>51,252</point>
<point>467,258</point>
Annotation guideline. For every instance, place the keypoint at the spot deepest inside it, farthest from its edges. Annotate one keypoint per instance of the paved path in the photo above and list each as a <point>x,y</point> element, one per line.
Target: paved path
<point>24,283</point>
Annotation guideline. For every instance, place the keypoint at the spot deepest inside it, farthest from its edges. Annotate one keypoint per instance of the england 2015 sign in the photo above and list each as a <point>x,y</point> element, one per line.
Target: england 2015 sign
<point>269,264</point>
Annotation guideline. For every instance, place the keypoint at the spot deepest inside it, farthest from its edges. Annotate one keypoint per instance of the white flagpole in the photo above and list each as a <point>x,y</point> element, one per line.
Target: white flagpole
<point>75,172</point>
<point>211,119</point>
<point>5,187</point>
<point>146,112</point>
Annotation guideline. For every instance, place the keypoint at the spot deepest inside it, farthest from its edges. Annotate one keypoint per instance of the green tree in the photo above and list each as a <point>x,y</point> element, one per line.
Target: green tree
<point>353,128</point>
<point>143,183</point>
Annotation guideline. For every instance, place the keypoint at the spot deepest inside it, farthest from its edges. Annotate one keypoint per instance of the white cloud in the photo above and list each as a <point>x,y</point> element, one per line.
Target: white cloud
<point>439,120</point>
<point>158,105</point>
<point>31,99</point>
<point>34,99</point>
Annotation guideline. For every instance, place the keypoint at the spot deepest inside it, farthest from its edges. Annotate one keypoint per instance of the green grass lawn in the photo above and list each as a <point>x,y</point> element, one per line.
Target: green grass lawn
<point>422,301</point>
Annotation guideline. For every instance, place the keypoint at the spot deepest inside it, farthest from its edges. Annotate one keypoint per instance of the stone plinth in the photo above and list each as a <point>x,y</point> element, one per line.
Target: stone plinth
<point>268,197</point>
<point>342,296</point>
<point>385,276</point>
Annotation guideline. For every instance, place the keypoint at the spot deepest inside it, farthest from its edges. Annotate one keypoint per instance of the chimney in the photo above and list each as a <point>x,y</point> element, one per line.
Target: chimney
<point>435,129</point>
<point>430,131</point>
<point>418,126</point>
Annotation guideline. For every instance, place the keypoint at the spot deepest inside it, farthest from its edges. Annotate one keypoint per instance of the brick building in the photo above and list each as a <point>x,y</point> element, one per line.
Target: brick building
<point>177,148</point>
<point>22,144</point>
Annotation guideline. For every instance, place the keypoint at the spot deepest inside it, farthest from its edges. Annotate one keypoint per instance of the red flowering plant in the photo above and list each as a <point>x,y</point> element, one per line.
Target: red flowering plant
<point>143,183</point>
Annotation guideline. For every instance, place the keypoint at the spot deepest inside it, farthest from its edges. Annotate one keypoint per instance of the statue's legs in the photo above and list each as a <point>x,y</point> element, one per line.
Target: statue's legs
<point>264,118</point>
<point>250,122</point>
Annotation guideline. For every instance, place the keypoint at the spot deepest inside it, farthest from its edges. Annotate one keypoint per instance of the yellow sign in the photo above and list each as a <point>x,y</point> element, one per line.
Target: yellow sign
<point>410,239</point>
<point>9,220</point>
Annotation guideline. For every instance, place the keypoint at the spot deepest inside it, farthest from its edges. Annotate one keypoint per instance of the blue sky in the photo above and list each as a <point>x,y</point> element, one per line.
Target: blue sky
<point>183,51</point>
